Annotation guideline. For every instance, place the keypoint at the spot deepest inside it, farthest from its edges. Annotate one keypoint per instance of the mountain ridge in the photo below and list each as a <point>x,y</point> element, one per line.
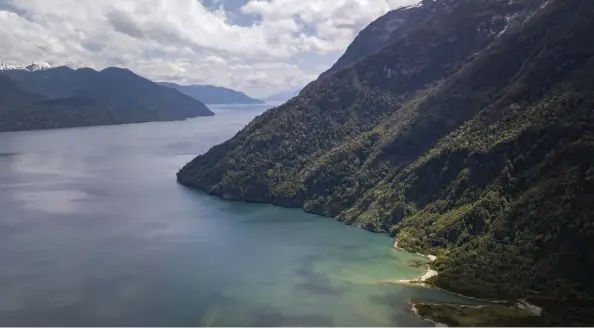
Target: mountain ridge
<point>13,66</point>
<point>210,94</point>
<point>63,97</point>
<point>282,96</point>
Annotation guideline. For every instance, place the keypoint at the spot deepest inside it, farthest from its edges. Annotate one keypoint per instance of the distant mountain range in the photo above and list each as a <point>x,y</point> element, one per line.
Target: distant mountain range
<point>282,96</point>
<point>210,94</point>
<point>40,97</point>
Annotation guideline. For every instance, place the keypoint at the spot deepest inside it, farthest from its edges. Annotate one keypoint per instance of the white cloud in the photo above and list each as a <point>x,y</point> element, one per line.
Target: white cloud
<point>279,45</point>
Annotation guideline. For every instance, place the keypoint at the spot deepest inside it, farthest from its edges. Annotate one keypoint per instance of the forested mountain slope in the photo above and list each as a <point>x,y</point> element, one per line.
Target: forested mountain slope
<point>470,135</point>
<point>113,86</point>
<point>62,97</point>
<point>21,110</point>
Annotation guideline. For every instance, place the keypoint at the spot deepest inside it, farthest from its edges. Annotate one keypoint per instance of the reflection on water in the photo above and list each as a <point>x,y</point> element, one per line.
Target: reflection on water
<point>95,231</point>
<point>51,201</point>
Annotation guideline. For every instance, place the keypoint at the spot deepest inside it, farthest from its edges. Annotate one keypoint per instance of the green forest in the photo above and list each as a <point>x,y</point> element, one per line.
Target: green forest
<point>469,135</point>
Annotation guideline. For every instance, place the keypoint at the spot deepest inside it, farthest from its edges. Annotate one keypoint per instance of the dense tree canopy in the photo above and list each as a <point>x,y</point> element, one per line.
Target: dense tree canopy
<point>470,135</point>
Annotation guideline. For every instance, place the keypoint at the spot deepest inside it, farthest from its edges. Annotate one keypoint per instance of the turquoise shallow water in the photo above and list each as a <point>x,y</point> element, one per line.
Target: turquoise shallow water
<point>95,231</point>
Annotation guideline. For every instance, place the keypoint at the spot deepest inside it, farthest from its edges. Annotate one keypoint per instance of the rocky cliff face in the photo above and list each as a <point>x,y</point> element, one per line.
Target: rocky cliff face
<point>377,34</point>
<point>469,133</point>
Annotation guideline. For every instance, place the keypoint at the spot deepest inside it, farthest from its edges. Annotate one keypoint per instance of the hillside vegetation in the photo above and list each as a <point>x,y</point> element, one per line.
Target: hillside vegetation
<point>470,135</point>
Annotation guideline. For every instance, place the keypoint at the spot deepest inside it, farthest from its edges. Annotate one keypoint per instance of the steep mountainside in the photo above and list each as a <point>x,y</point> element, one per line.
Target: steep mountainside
<point>62,97</point>
<point>470,135</point>
<point>378,34</point>
<point>210,94</point>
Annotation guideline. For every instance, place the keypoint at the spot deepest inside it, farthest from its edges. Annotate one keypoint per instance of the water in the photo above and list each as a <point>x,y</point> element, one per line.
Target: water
<point>94,230</point>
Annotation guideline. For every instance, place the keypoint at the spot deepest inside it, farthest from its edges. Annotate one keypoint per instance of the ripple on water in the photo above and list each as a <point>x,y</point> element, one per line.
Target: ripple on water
<point>52,201</point>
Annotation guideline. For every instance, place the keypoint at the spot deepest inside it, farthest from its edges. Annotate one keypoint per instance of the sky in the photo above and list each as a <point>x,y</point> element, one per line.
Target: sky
<point>259,47</point>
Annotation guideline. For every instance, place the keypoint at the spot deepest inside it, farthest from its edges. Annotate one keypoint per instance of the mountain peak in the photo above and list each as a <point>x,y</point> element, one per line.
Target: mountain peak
<point>12,66</point>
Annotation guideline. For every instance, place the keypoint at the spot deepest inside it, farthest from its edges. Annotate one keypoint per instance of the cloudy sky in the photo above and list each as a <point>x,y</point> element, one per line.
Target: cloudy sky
<point>256,46</point>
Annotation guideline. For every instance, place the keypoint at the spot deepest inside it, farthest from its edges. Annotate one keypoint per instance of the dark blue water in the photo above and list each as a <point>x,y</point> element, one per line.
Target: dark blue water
<point>94,230</point>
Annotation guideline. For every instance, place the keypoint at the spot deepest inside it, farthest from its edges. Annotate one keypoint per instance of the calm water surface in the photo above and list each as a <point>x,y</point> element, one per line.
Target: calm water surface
<point>94,230</point>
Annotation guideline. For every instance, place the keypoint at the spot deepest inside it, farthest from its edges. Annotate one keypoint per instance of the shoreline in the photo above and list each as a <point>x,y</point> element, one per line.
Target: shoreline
<point>414,310</point>
<point>521,304</point>
<point>420,281</point>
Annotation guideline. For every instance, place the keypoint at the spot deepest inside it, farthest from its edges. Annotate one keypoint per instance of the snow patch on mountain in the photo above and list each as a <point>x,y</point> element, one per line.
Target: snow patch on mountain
<point>384,26</point>
<point>11,66</point>
<point>416,5</point>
